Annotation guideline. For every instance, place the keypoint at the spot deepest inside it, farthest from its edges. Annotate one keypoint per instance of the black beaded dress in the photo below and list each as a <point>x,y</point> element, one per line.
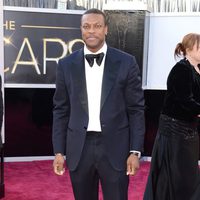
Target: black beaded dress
<point>174,172</point>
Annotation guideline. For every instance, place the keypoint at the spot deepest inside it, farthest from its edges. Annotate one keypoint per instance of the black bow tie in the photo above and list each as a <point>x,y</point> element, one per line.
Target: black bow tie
<point>90,58</point>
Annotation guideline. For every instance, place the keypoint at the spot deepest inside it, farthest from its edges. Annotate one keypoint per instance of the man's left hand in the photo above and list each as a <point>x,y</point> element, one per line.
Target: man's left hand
<point>133,164</point>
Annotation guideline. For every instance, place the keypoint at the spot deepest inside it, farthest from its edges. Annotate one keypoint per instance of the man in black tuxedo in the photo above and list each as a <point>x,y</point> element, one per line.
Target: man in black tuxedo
<point>98,115</point>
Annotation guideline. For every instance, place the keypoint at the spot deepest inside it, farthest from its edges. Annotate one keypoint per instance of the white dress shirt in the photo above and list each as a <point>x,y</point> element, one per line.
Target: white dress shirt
<point>94,77</point>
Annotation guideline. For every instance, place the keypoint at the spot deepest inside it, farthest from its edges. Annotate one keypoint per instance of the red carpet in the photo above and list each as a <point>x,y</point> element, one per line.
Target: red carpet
<point>36,181</point>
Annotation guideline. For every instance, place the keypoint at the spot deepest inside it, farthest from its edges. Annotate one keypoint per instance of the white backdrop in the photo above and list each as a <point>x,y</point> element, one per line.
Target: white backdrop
<point>166,30</point>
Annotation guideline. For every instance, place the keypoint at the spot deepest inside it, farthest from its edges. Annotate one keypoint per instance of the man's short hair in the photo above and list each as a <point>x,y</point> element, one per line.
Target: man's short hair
<point>96,11</point>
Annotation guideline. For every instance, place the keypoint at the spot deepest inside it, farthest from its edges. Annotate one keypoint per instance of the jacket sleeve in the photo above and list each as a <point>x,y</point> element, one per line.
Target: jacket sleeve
<point>135,107</point>
<point>61,111</point>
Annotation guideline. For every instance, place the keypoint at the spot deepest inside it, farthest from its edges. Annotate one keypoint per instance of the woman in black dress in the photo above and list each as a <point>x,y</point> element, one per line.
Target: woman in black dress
<point>174,172</point>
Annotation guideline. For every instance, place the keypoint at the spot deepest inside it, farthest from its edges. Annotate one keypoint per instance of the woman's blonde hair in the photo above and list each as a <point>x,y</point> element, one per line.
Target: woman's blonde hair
<point>188,42</point>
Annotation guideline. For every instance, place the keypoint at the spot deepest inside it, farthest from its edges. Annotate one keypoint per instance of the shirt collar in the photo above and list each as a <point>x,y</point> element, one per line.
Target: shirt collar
<point>103,49</point>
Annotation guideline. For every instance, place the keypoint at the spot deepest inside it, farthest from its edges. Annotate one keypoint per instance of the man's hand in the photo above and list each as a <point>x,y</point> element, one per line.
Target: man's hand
<point>133,164</point>
<point>58,164</point>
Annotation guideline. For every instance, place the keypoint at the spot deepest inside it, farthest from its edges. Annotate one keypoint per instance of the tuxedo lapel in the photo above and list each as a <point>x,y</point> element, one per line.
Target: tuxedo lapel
<point>111,69</point>
<point>78,75</point>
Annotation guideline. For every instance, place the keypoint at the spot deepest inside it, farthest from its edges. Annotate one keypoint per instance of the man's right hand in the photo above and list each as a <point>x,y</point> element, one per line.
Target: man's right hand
<point>58,164</point>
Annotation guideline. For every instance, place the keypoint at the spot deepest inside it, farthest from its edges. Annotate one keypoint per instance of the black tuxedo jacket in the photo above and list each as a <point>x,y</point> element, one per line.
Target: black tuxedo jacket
<point>121,114</point>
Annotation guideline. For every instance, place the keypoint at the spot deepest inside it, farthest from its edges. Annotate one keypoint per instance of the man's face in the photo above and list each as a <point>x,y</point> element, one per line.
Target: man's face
<point>93,30</point>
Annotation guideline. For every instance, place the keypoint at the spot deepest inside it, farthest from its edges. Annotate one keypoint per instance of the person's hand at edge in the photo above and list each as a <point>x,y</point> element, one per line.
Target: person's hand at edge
<point>133,164</point>
<point>58,164</point>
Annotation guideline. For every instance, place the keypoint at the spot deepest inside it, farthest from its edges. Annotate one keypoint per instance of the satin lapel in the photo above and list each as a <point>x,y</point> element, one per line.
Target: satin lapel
<point>111,69</point>
<point>79,80</point>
